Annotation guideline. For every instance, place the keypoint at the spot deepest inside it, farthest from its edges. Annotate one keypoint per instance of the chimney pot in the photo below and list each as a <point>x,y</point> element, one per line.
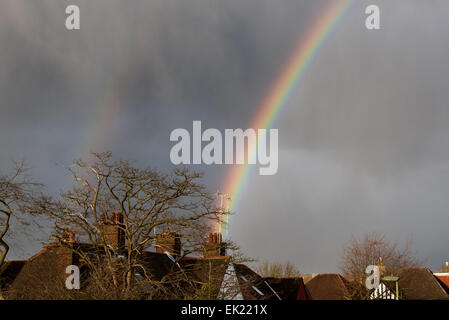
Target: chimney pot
<point>215,247</point>
<point>102,218</point>
<point>118,218</point>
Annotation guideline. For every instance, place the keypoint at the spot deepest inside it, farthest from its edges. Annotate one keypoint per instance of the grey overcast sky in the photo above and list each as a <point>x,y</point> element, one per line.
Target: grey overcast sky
<point>364,139</point>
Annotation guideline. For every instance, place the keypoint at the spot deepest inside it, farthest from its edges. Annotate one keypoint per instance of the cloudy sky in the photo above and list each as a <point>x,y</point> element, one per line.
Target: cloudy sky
<point>363,140</point>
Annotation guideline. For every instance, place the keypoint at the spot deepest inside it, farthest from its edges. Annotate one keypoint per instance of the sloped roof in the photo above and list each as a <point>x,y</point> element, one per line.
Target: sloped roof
<point>443,279</point>
<point>420,284</point>
<point>252,285</point>
<point>327,286</point>
<point>197,271</point>
<point>9,272</point>
<point>47,264</point>
<point>289,288</point>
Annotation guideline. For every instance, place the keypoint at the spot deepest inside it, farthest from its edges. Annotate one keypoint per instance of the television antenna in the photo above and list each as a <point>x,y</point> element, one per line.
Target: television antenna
<point>223,200</point>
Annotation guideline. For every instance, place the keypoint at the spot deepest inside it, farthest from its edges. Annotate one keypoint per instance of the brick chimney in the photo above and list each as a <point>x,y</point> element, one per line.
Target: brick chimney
<point>168,241</point>
<point>214,246</point>
<point>113,230</point>
<point>64,254</point>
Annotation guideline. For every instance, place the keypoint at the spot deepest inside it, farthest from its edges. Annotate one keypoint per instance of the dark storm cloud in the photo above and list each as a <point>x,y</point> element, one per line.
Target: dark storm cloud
<point>364,143</point>
<point>164,63</point>
<point>385,106</point>
<point>364,138</point>
<point>200,54</point>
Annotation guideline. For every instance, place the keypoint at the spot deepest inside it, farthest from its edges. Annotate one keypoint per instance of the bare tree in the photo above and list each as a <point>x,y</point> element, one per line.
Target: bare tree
<point>374,249</point>
<point>278,269</point>
<point>145,203</point>
<point>18,194</point>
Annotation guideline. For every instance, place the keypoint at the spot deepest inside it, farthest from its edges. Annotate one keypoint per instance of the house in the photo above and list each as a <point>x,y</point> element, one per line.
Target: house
<point>383,292</point>
<point>252,285</point>
<point>414,284</point>
<point>255,287</point>
<point>328,286</point>
<point>47,268</point>
<point>200,277</point>
<point>420,284</point>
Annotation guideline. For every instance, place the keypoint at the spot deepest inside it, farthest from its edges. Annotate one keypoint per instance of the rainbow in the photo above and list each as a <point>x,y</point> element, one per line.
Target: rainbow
<point>106,110</point>
<point>280,92</point>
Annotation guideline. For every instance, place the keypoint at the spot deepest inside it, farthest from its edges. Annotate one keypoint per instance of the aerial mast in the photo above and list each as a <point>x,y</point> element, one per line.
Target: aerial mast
<point>223,212</point>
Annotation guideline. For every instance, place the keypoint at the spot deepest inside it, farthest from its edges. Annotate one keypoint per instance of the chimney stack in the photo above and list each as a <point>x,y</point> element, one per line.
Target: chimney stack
<point>65,254</point>
<point>113,230</point>
<point>168,241</point>
<point>215,247</point>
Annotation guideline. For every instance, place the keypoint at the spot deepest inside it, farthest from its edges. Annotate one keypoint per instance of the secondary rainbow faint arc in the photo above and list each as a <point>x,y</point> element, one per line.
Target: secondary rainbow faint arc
<point>282,88</point>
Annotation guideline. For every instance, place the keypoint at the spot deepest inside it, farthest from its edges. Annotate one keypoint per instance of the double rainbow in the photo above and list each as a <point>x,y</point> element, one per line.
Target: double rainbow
<point>281,90</point>
<point>271,105</point>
